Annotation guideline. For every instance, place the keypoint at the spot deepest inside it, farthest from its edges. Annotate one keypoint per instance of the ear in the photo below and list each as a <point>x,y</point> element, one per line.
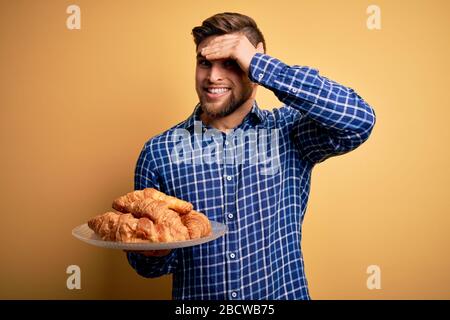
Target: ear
<point>260,47</point>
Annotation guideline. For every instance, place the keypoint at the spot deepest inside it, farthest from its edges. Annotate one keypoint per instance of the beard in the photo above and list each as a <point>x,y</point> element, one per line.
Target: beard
<point>229,105</point>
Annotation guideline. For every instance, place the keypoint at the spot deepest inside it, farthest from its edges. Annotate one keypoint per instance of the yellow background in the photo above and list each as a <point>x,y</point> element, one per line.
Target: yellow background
<point>76,106</point>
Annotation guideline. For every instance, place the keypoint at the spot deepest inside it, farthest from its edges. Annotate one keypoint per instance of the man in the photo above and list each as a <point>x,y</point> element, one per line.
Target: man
<point>261,196</point>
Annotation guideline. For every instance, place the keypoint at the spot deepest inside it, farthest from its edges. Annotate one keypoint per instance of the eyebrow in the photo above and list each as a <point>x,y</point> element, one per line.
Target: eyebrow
<point>199,56</point>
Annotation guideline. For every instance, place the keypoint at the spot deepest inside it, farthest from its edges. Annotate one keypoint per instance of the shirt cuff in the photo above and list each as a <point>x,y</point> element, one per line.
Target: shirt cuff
<point>264,69</point>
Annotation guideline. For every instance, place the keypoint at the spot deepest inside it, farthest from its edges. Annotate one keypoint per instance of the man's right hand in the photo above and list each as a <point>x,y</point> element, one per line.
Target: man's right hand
<point>152,253</point>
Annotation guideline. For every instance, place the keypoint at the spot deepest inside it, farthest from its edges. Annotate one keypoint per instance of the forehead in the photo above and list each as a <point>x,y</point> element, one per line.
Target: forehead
<point>205,42</point>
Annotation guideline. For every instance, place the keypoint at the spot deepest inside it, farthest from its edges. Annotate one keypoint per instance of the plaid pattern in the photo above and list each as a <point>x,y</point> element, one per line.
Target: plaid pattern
<point>260,257</point>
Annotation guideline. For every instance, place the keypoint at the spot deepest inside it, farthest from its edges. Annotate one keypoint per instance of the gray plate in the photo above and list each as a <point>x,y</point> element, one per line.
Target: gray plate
<point>86,234</point>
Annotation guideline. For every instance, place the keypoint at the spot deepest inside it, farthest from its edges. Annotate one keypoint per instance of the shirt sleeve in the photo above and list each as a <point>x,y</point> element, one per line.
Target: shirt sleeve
<point>149,267</point>
<point>334,118</point>
<point>152,267</point>
<point>144,174</point>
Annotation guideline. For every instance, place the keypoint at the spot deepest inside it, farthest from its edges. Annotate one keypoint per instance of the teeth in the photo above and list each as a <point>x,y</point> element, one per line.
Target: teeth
<point>217,90</point>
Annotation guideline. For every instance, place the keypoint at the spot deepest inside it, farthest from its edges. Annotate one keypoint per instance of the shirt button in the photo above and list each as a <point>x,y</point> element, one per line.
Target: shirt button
<point>234,294</point>
<point>229,178</point>
<point>294,90</point>
<point>226,143</point>
<point>232,255</point>
<point>230,216</point>
<point>261,75</point>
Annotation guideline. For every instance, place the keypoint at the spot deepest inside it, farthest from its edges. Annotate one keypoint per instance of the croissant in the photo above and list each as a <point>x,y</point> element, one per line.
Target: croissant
<point>197,224</point>
<point>128,202</point>
<point>105,225</point>
<point>150,215</point>
<point>162,232</point>
<point>112,226</point>
<point>115,227</point>
<point>158,211</point>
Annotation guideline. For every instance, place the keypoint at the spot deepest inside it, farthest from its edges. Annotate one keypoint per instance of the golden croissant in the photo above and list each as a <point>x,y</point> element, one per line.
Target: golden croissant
<point>112,226</point>
<point>197,224</point>
<point>150,216</point>
<point>127,202</point>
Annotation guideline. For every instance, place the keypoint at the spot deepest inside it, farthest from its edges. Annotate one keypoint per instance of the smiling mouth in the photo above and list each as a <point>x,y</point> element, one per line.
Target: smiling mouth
<point>217,89</point>
<point>216,92</point>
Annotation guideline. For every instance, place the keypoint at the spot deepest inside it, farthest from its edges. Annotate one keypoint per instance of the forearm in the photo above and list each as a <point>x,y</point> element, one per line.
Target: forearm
<point>145,176</point>
<point>329,104</point>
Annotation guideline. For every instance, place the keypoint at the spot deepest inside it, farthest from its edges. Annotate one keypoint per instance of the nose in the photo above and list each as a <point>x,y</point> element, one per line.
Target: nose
<point>215,73</point>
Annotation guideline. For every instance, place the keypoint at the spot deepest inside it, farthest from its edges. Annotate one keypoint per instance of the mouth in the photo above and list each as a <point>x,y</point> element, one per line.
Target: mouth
<point>216,92</point>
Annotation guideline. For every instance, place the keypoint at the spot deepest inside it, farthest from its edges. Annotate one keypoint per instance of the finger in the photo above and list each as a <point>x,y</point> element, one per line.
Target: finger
<point>219,45</point>
<point>156,253</point>
<point>226,40</point>
<point>217,55</point>
<point>131,251</point>
<point>222,52</point>
<point>224,37</point>
<point>152,253</point>
<point>222,42</point>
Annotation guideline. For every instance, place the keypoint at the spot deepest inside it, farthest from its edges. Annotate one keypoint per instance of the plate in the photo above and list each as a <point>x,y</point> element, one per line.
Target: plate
<point>86,234</point>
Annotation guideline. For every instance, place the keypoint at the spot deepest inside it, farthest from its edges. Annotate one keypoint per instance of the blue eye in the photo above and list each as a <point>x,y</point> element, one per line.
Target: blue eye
<point>230,63</point>
<point>204,63</point>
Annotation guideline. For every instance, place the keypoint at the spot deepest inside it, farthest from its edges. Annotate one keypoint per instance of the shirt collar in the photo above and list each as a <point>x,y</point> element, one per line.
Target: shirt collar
<point>255,114</point>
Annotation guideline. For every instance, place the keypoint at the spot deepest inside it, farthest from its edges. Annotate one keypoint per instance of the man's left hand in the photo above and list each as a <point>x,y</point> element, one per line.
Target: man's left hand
<point>234,46</point>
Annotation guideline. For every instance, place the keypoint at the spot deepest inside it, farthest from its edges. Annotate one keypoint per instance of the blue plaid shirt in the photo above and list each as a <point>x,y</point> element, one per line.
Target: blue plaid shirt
<point>260,257</point>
